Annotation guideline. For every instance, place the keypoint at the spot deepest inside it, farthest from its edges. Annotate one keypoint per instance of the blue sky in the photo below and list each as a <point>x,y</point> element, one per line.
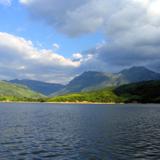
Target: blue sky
<point>55,40</point>
<point>15,20</point>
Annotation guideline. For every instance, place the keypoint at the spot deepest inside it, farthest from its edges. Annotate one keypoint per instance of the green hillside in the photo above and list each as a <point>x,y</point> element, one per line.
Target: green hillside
<point>12,92</point>
<point>38,86</point>
<point>104,95</point>
<point>142,92</point>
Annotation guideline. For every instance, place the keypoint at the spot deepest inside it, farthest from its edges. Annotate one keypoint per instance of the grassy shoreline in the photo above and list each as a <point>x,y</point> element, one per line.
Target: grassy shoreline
<point>24,102</point>
<point>60,102</point>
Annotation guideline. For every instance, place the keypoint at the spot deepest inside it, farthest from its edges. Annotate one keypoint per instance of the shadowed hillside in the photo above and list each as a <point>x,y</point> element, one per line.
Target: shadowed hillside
<point>143,92</point>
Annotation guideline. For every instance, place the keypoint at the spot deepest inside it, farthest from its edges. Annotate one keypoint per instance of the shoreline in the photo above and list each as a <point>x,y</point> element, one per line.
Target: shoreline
<point>83,103</point>
<point>58,102</point>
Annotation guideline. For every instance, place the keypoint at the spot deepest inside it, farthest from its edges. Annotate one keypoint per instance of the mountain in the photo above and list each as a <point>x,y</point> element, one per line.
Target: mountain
<point>92,80</point>
<point>138,74</point>
<point>13,92</point>
<point>38,86</point>
<point>140,92</point>
<point>85,81</point>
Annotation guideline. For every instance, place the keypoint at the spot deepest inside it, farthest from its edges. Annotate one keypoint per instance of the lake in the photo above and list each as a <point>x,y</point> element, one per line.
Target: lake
<point>79,132</point>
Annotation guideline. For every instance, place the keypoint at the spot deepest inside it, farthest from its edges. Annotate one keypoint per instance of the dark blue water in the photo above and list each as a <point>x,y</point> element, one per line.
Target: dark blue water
<point>79,132</point>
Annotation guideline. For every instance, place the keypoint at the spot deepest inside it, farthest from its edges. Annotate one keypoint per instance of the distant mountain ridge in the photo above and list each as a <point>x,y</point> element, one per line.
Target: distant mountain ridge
<point>38,86</point>
<point>138,74</point>
<point>92,80</point>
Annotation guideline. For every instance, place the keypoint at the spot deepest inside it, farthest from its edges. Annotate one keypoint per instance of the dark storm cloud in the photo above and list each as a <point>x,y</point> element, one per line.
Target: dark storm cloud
<point>132,27</point>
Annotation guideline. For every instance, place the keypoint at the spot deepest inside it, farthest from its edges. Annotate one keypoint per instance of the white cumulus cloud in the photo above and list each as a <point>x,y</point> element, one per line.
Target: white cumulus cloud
<point>20,59</point>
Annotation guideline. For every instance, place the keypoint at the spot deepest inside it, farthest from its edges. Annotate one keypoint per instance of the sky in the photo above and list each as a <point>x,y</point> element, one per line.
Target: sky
<point>55,40</point>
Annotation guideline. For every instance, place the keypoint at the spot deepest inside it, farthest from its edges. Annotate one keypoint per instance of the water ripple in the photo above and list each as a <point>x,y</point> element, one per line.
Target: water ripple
<point>79,132</point>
